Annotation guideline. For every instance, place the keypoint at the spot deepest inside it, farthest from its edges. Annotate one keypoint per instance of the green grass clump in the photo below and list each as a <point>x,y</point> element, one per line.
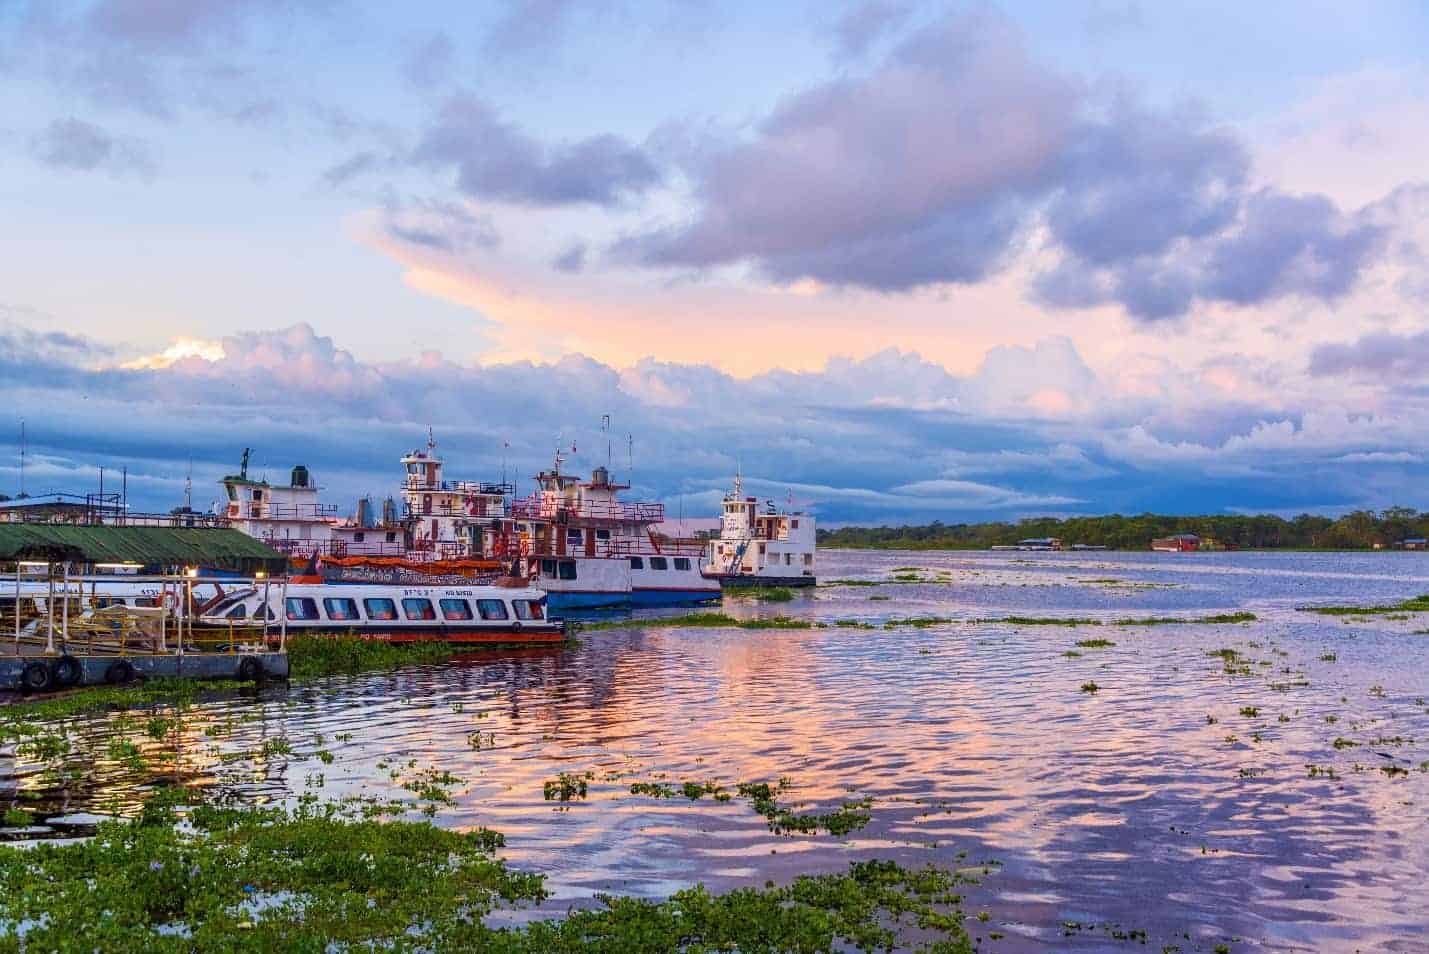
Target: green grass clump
<point>1095,643</point>
<point>1044,621</point>
<point>329,655</point>
<point>1090,687</point>
<point>917,622</point>
<point>710,620</point>
<point>768,594</point>
<point>1417,604</point>
<point>1217,619</point>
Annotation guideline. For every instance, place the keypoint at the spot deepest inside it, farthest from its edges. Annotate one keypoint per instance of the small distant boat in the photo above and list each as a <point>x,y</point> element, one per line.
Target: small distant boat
<point>1177,543</point>
<point>761,547</point>
<point>483,613</point>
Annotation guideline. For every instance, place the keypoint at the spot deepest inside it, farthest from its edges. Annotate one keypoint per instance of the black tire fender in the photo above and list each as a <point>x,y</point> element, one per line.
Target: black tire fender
<point>67,671</point>
<point>119,673</point>
<point>516,626</point>
<point>36,677</point>
<point>250,669</point>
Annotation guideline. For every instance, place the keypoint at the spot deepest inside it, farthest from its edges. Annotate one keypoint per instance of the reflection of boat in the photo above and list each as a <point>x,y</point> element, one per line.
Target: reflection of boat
<point>455,614</point>
<point>761,548</point>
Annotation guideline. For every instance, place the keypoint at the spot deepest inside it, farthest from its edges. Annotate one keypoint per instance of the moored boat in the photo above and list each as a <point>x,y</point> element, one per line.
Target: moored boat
<point>482,613</point>
<point>761,546</point>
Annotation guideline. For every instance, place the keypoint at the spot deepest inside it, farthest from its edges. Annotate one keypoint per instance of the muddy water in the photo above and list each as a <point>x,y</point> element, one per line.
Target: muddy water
<point>1176,800</point>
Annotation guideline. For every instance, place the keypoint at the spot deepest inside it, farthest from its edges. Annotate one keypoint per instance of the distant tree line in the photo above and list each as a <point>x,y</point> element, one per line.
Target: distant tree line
<point>1362,529</point>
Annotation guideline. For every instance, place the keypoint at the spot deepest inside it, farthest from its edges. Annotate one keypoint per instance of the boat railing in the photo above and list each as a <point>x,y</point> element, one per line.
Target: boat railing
<point>614,549</point>
<point>268,511</point>
<point>535,508</point>
<point>73,615</point>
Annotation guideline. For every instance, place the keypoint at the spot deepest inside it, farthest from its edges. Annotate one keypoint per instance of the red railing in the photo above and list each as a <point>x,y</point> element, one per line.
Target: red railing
<point>534,508</point>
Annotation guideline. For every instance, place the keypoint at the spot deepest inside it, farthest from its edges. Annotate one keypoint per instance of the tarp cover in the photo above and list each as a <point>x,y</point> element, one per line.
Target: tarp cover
<point>156,547</point>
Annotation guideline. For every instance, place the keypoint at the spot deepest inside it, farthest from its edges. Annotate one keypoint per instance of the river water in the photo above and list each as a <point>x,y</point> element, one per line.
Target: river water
<point>1177,800</point>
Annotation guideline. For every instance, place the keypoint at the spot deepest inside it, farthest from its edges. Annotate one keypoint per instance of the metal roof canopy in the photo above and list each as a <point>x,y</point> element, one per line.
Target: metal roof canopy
<point>147,546</point>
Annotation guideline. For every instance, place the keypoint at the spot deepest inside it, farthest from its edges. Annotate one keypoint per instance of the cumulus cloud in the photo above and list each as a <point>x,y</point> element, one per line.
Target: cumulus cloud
<point>80,146</point>
<point>438,224</point>
<point>904,177</point>
<point>1380,355</point>
<point>937,166</point>
<point>888,438</point>
<point>494,159</point>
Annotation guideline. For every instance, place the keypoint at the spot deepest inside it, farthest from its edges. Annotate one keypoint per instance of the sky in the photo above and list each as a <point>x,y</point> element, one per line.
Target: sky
<point>894,261</point>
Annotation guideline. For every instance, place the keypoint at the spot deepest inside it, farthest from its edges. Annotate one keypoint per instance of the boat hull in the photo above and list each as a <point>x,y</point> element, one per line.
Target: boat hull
<point>586,599</point>
<point>673,597</point>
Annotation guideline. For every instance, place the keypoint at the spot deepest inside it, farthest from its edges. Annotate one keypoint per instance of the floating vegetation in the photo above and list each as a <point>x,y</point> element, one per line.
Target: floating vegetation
<point>1219,619</point>
<point>319,655</point>
<point>1090,687</point>
<point>851,816</point>
<point>853,624</point>
<point>917,622</point>
<point>566,787</point>
<point>850,583</point>
<point>768,594</point>
<point>323,876</point>
<point>1417,604</point>
<point>1044,621</point>
<point>1250,712</point>
<point>884,598</point>
<point>1095,643</point>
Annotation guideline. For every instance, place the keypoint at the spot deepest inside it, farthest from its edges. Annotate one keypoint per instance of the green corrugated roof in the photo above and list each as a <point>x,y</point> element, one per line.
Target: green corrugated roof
<point>150,546</point>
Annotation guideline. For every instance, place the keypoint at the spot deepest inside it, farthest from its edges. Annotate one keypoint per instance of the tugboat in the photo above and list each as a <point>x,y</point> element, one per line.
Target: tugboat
<point>761,547</point>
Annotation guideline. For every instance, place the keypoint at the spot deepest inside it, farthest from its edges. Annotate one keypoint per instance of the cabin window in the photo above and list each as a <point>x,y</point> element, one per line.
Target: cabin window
<point>573,535</point>
<point>682,563</point>
<point>418,609</point>
<point>238,612</point>
<point>392,537</point>
<point>602,534</point>
<point>637,563</point>
<point>359,537</point>
<point>257,495</point>
<point>491,609</point>
<point>232,491</point>
<point>659,563</point>
<point>794,524</point>
<point>340,608</point>
<point>528,609</point>
<point>568,569</point>
<point>380,608</point>
<point>788,559</point>
<point>808,559</point>
<point>455,609</point>
<point>548,568</point>
<point>302,607</point>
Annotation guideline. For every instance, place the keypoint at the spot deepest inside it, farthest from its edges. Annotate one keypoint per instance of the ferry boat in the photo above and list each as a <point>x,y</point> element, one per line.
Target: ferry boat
<point>761,546</point>
<point>587,548</point>
<point>451,614</point>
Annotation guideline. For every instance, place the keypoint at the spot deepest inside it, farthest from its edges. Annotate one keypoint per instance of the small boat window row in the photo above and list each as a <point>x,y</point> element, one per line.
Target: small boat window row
<point>345,609</point>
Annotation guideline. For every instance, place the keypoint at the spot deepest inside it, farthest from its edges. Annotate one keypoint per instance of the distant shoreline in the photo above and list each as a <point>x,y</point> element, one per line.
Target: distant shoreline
<point>1362,530</point>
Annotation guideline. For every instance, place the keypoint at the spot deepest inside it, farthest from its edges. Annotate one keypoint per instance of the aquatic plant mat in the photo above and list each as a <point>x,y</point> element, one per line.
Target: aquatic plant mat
<point>217,878</point>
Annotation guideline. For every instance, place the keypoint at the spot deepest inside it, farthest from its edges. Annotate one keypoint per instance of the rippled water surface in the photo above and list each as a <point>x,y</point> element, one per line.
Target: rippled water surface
<point>1177,799</point>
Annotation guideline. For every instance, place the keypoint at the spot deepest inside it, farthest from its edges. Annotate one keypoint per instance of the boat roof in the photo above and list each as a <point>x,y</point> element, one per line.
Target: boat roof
<point>223,549</point>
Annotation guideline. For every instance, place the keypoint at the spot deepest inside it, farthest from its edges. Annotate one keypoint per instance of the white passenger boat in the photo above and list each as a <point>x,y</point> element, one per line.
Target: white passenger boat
<point>451,614</point>
<point>761,545</point>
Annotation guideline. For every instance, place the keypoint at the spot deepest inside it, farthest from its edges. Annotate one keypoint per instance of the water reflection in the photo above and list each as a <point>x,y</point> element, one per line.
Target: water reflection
<point>1175,800</point>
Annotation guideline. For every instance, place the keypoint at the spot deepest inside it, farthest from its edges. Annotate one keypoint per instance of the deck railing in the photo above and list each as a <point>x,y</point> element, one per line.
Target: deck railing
<point>535,508</point>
